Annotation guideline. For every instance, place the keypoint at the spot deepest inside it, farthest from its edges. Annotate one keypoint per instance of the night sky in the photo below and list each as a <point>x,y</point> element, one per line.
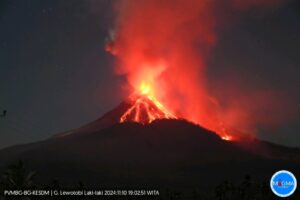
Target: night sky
<point>55,74</point>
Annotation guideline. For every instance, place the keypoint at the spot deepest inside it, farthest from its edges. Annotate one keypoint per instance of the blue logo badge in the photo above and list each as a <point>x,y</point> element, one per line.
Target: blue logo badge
<point>283,183</point>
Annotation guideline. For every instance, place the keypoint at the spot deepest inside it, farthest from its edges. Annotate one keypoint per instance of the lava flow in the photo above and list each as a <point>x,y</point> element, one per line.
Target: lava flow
<point>163,48</point>
<point>145,108</point>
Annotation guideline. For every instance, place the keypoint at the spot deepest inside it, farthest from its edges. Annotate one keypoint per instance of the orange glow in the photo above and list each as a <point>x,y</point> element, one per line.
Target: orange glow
<point>145,88</point>
<point>162,64</point>
<point>226,137</point>
<point>145,109</point>
<point>163,48</point>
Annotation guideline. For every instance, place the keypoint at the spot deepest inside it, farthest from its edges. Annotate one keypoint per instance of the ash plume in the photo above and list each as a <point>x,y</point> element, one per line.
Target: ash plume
<point>167,43</point>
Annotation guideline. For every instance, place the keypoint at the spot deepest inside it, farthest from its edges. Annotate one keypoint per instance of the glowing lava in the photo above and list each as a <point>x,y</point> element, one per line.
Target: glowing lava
<point>227,137</point>
<point>145,107</point>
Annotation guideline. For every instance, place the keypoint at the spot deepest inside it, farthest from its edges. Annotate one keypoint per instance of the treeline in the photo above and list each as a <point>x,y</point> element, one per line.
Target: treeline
<point>17,177</point>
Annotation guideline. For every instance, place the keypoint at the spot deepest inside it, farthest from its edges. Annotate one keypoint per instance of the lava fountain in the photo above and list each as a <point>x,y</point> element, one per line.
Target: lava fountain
<point>145,107</point>
<point>162,49</point>
<point>164,60</point>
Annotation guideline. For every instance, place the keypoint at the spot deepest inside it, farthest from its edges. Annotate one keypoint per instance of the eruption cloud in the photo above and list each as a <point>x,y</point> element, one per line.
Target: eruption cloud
<point>163,46</point>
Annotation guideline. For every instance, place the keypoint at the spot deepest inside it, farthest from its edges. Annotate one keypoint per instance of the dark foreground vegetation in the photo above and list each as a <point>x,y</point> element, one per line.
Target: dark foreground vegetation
<point>18,177</point>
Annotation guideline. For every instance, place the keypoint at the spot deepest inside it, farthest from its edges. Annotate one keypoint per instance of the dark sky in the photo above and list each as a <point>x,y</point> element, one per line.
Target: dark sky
<point>55,74</point>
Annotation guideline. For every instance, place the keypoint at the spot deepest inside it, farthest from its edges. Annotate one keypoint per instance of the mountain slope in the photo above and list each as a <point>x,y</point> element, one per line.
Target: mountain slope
<point>162,153</point>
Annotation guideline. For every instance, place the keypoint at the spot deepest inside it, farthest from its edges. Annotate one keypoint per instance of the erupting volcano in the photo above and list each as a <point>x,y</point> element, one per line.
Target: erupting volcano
<point>145,107</point>
<point>144,110</point>
<point>167,77</point>
<point>163,50</point>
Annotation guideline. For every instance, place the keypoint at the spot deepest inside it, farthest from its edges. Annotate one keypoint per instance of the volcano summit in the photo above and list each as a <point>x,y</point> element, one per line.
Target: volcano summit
<point>144,110</point>
<point>161,153</point>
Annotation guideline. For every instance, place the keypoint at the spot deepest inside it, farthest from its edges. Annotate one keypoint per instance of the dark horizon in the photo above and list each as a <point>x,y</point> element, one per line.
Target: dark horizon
<point>55,74</point>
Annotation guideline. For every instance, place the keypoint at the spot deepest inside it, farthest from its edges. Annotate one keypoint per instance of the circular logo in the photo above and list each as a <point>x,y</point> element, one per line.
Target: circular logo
<point>283,183</point>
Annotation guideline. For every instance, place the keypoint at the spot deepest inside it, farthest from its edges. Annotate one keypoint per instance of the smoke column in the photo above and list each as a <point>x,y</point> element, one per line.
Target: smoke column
<point>166,43</point>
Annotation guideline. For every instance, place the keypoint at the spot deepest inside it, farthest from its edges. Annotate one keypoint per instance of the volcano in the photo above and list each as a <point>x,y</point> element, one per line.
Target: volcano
<point>139,107</point>
<point>140,144</point>
<point>144,109</point>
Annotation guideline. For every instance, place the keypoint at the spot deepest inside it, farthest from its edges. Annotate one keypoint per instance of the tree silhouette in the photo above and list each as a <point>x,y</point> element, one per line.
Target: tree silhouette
<point>224,191</point>
<point>18,177</point>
